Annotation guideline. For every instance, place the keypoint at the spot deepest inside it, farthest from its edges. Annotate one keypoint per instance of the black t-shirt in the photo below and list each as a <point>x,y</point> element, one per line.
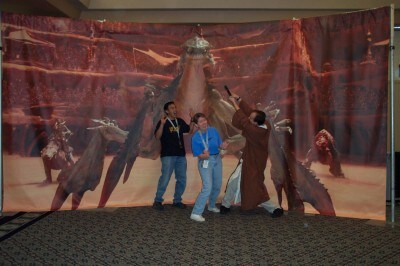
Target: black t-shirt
<point>169,139</point>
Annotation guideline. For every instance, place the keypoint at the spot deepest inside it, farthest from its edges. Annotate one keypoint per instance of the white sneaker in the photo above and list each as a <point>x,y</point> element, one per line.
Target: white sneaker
<point>197,217</point>
<point>215,209</point>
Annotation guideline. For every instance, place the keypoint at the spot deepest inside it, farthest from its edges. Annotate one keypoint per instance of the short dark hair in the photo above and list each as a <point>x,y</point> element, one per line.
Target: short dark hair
<point>167,105</point>
<point>260,117</point>
<point>197,116</point>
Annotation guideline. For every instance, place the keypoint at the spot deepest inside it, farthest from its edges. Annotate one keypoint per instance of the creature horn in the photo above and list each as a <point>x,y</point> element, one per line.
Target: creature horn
<point>270,106</point>
<point>93,128</point>
<point>104,122</point>
<point>283,122</point>
<point>150,86</point>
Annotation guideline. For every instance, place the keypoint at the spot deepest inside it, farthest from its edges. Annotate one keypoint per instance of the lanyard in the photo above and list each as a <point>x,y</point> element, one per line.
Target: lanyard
<point>176,128</point>
<point>205,143</point>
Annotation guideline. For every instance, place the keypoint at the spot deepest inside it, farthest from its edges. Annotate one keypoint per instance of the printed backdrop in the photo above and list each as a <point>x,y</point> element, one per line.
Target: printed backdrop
<point>81,100</point>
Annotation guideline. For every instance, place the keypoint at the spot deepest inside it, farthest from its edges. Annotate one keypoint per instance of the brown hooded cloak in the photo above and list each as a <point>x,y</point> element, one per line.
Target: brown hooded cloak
<point>255,154</point>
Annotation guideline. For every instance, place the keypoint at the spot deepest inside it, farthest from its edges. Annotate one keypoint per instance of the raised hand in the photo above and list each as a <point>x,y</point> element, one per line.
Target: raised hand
<point>234,95</point>
<point>232,99</point>
<point>224,145</point>
<point>191,112</point>
<point>163,118</point>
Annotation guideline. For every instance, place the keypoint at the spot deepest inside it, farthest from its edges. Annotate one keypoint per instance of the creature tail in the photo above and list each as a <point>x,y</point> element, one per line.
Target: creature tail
<point>309,187</point>
<point>282,176</point>
<point>283,181</point>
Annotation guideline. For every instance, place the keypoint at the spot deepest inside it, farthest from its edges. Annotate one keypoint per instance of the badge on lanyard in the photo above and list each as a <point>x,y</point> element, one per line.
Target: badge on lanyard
<point>205,144</point>
<point>176,129</point>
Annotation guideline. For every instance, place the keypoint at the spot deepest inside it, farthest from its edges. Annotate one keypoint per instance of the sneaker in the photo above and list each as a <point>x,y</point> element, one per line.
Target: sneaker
<point>224,210</point>
<point>197,217</point>
<point>277,213</point>
<point>215,209</point>
<point>179,205</point>
<point>158,206</point>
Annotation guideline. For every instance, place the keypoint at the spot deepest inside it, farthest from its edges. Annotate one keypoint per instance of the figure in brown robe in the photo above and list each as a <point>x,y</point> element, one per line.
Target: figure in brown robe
<point>255,155</point>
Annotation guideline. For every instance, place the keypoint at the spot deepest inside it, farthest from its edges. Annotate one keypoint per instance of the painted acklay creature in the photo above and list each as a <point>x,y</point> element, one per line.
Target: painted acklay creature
<point>57,155</point>
<point>290,175</point>
<point>86,173</point>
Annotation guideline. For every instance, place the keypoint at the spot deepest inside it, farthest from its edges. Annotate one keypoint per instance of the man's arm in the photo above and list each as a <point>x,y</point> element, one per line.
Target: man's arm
<point>235,101</point>
<point>191,130</point>
<point>160,128</point>
<point>191,123</point>
<point>238,103</point>
<point>187,128</point>
<point>239,119</point>
<point>245,107</point>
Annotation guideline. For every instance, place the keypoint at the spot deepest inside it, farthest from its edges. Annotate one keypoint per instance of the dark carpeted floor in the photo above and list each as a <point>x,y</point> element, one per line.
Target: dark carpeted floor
<point>143,236</point>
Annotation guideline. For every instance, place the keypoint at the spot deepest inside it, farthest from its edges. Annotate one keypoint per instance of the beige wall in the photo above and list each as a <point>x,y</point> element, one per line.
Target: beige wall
<point>204,16</point>
<point>221,11</point>
<point>191,11</point>
<point>208,16</point>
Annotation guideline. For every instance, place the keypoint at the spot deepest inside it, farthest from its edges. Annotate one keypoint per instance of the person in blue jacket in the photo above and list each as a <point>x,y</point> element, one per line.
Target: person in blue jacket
<point>206,146</point>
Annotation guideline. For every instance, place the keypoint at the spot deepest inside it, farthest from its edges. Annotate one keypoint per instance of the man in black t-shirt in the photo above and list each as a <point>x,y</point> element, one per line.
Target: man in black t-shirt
<point>169,131</point>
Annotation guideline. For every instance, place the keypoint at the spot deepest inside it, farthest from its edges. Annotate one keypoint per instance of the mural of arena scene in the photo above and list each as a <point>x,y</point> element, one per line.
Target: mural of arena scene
<point>324,91</point>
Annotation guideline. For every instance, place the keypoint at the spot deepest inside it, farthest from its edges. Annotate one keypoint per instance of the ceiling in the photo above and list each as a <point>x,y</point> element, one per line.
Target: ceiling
<point>189,11</point>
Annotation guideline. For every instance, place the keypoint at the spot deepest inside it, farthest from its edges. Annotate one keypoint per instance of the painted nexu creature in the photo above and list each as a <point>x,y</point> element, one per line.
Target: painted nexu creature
<point>323,149</point>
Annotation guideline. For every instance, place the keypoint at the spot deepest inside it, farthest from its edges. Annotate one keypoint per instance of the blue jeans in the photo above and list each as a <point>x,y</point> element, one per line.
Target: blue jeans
<point>212,181</point>
<point>168,165</point>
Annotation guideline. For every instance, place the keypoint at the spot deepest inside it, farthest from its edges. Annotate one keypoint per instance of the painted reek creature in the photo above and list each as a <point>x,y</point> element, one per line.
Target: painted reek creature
<point>191,89</point>
<point>86,173</point>
<point>323,149</point>
<point>57,155</point>
<point>290,175</point>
